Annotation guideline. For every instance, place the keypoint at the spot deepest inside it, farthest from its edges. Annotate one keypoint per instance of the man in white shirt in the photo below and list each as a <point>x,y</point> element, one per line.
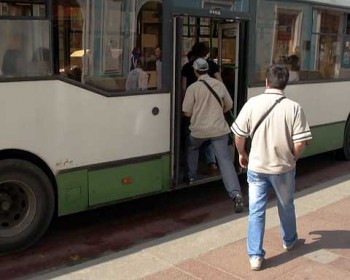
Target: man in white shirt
<point>208,123</point>
<point>276,146</point>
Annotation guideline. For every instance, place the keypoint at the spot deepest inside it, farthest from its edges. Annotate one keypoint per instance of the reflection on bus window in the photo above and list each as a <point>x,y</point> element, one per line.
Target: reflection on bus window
<point>23,8</point>
<point>101,54</point>
<point>312,44</point>
<point>24,46</point>
<point>326,39</point>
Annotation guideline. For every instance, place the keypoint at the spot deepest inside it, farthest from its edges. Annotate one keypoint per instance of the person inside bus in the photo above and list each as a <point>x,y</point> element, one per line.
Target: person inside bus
<point>294,68</point>
<point>40,62</point>
<point>135,56</point>
<point>137,78</point>
<point>158,54</point>
<point>207,122</point>
<point>13,63</point>
<point>199,50</point>
<point>188,77</point>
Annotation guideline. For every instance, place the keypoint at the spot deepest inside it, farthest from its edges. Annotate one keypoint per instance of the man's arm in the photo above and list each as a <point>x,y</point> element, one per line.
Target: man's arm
<point>188,102</point>
<point>227,108</point>
<point>298,149</point>
<point>183,86</point>
<point>243,156</point>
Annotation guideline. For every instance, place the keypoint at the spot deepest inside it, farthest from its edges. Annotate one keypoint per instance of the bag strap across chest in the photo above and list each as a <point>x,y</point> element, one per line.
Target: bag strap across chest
<point>212,91</point>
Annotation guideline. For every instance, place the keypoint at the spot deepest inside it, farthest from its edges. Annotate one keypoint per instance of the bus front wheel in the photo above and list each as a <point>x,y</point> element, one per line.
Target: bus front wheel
<point>26,204</point>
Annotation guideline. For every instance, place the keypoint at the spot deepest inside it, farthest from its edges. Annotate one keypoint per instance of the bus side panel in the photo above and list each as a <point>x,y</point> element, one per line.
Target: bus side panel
<point>166,179</point>
<point>72,190</point>
<point>131,180</point>
<point>323,138</point>
<point>81,190</point>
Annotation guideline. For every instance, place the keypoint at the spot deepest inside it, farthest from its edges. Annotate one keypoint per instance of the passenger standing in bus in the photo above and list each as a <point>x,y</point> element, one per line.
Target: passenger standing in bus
<point>276,146</point>
<point>293,61</point>
<point>135,56</point>
<point>188,77</point>
<point>158,54</point>
<point>137,79</point>
<point>208,123</point>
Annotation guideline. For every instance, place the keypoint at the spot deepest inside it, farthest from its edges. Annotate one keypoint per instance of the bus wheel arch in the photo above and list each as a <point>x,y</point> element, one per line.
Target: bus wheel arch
<point>27,203</point>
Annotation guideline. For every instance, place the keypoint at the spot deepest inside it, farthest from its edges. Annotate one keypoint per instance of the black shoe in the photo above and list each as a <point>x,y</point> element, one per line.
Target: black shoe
<point>190,180</point>
<point>238,203</point>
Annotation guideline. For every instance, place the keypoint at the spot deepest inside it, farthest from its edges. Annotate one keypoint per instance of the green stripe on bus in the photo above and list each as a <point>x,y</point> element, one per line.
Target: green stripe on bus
<point>83,189</point>
<point>326,138</point>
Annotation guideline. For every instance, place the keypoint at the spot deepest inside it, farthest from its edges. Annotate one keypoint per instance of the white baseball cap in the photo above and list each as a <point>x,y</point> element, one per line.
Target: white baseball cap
<point>200,64</point>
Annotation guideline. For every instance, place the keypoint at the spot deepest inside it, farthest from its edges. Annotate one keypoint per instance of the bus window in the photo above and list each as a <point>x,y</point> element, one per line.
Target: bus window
<point>327,31</point>
<point>280,39</point>
<point>23,8</point>
<point>111,45</point>
<point>311,42</point>
<point>149,39</point>
<point>21,40</point>
<point>345,65</point>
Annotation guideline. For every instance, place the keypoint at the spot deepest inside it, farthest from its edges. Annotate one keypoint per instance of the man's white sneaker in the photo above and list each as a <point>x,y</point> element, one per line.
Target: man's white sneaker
<point>255,263</point>
<point>290,247</point>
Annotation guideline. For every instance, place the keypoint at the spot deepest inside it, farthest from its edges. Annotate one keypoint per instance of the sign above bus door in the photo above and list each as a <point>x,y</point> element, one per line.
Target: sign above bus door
<point>215,12</point>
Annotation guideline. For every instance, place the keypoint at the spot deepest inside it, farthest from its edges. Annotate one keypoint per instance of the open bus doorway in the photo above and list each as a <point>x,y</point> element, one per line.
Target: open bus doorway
<point>222,39</point>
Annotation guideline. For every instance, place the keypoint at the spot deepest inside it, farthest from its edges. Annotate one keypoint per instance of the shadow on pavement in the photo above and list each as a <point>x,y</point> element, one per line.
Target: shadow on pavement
<point>322,240</point>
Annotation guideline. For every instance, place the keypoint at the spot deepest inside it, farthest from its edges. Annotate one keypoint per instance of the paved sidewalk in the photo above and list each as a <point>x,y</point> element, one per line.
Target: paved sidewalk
<point>217,250</point>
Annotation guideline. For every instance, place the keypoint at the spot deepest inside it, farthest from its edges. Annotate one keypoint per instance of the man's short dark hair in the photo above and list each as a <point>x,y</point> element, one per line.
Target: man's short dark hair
<point>202,72</point>
<point>277,75</point>
<point>200,49</point>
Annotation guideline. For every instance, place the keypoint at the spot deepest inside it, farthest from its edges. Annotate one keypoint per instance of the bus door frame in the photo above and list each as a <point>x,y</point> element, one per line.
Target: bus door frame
<point>227,26</point>
<point>240,91</point>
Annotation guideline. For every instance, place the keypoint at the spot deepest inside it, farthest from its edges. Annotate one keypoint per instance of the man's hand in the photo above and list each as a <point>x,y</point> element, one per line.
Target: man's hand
<point>298,149</point>
<point>243,160</point>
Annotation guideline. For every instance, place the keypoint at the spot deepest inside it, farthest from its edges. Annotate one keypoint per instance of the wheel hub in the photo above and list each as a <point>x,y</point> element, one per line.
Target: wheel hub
<point>5,202</point>
<point>17,207</point>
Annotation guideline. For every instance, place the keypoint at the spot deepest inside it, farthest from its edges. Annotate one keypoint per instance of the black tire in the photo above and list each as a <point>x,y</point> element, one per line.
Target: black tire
<point>346,146</point>
<point>26,204</point>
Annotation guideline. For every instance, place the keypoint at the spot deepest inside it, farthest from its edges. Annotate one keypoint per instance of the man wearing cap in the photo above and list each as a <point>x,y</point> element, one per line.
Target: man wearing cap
<point>208,123</point>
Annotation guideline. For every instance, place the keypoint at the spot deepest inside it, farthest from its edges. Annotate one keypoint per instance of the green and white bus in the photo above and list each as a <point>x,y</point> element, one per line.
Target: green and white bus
<point>75,135</point>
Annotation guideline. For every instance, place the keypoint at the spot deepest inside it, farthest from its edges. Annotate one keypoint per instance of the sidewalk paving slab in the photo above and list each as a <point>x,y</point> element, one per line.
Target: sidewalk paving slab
<point>217,250</point>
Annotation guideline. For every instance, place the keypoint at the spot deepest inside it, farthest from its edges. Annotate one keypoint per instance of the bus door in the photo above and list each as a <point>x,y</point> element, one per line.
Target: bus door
<point>228,60</point>
<point>222,39</point>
